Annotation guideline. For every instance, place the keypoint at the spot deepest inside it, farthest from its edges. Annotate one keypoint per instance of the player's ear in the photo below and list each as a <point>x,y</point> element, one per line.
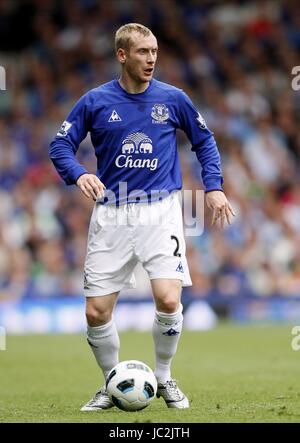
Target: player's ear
<point>121,55</point>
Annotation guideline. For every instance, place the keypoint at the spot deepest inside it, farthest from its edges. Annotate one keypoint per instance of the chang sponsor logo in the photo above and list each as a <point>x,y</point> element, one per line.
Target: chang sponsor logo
<point>123,161</point>
<point>136,144</point>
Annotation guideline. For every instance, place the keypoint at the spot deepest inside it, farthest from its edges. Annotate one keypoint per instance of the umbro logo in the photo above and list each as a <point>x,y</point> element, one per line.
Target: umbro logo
<point>171,332</point>
<point>114,117</point>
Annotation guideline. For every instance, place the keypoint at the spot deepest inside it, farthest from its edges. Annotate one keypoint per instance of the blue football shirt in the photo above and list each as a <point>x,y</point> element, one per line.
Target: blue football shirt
<point>134,137</point>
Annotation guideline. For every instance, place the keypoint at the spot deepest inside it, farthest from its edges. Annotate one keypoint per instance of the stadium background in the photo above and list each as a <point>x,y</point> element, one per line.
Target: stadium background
<point>235,60</point>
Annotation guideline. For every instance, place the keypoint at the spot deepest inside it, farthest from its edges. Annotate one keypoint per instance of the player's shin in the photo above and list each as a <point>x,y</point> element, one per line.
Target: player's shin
<point>166,333</point>
<point>104,342</point>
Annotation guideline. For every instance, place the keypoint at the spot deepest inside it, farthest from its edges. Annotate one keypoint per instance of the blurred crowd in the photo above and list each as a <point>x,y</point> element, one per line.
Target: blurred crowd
<point>234,59</point>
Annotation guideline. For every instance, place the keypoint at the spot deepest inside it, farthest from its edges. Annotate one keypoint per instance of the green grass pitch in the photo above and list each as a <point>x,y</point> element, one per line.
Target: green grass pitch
<point>230,374</point>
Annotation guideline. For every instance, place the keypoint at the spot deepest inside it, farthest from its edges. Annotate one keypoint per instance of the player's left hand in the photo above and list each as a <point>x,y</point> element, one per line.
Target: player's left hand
<point>222,209</point>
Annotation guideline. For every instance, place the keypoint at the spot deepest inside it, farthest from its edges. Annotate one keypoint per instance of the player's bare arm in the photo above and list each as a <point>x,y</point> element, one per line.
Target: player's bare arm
<point>222,209</point>
<point>91,186</point>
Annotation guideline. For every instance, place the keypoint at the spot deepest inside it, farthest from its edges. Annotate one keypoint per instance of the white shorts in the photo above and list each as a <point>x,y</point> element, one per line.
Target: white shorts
<point>120,237</point>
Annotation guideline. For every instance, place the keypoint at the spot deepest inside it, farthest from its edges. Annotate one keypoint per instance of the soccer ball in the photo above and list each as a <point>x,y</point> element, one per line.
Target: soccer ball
<point>131,385</point>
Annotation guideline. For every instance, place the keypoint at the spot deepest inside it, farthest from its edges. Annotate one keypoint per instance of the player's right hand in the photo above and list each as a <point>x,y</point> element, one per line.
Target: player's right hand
<point>91,186</point>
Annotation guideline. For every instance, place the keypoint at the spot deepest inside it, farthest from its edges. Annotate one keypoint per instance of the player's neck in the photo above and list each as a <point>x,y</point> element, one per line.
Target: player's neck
<point>131,86</point>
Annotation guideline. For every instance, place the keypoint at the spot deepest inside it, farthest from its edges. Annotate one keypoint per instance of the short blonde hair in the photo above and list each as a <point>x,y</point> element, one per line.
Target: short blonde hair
<point>123,34</point>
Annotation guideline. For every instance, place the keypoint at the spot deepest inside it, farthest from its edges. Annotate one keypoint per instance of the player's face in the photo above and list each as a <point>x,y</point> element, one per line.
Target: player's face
<point>140,59</point>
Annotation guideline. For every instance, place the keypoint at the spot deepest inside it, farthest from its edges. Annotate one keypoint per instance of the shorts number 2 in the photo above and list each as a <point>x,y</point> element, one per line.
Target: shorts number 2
<point>176,253</point>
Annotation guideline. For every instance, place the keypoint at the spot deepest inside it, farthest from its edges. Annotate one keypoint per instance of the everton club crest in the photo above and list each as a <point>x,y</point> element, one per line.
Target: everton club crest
<point>159,114</point>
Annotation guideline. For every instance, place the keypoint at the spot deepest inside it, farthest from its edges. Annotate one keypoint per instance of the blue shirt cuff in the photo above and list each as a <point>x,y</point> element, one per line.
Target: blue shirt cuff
<point>74,174</point>
<point>213,184</point>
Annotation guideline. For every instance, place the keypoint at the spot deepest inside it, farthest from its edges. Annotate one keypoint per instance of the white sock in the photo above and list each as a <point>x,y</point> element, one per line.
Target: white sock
<point>166,333</point>
<point>104,342</point>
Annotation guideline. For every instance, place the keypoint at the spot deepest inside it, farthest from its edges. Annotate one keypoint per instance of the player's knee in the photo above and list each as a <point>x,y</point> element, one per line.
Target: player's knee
<point>167,297</point>
<point>168,305</point>
<point>97,315</point>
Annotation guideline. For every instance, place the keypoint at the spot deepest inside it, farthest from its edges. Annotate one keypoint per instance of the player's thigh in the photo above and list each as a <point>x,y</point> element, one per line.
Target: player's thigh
<point>110,258</point>
<point>162,246</point>
<point>166,294</point>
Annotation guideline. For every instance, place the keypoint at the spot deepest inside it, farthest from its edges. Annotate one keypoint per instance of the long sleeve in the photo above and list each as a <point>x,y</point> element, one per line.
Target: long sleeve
<point>203,143</point>
<point>66,143</point>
